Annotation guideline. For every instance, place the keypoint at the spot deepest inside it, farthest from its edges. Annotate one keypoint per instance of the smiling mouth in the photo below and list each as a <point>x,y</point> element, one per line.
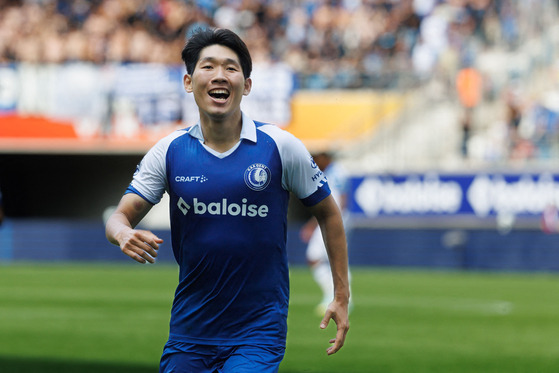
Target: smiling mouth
<point>219,94</point>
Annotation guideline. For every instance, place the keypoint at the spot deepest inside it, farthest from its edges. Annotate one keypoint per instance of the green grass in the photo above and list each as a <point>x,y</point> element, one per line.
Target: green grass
<point>114,318</point>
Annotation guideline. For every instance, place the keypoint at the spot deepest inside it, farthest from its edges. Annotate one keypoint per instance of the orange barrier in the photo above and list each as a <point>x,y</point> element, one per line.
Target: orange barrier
<point>17,126</point>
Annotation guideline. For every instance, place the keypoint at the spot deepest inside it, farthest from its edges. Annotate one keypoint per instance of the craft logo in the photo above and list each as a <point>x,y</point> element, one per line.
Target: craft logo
<point>191,179</point>
<point>258,176</point>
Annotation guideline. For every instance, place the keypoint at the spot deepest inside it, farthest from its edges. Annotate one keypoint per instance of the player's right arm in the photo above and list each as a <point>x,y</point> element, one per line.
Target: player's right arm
<point>140,245</point>
<point>145,190</point>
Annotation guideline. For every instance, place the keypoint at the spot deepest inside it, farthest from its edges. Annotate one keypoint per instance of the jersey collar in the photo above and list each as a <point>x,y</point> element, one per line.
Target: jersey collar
<point>248,130</point>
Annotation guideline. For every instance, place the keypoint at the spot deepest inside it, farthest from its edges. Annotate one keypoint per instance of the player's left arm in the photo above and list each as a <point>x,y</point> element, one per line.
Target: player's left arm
<point>329,219</point>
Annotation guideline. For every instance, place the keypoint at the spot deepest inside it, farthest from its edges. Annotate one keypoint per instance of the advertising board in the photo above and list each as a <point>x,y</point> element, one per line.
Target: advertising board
<point>437,194</point>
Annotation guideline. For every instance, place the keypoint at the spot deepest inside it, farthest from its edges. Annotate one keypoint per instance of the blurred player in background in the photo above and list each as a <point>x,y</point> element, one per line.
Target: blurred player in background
<point>229,180</point>
<point>549,222</point>
<point>317,255</point>
<point>1,208</point>
<point>469,87</point>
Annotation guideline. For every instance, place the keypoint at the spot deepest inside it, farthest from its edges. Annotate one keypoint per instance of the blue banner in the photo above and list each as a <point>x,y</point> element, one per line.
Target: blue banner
<point>155,91</point>
<point>432,194</point>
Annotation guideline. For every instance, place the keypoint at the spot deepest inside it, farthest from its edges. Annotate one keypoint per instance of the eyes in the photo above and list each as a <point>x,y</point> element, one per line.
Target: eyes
<point>210,67</point>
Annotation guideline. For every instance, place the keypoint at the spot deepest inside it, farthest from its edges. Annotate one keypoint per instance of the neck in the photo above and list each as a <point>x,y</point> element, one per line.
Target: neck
<point>221,134</point>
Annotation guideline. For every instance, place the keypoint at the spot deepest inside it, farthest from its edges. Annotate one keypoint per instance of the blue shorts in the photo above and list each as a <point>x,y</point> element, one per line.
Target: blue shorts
<point>179,357</point>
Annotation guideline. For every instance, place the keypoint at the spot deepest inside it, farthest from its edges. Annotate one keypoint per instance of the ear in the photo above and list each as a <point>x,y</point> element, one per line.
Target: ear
<point>248,86</point>
<point>187,81</point>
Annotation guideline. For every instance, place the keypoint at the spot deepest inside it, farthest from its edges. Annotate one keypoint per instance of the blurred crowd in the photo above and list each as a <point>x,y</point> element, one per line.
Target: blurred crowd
<point>328,43</point>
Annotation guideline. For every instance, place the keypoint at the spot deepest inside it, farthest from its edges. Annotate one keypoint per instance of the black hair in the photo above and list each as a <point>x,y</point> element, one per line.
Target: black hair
<point>204,37</point>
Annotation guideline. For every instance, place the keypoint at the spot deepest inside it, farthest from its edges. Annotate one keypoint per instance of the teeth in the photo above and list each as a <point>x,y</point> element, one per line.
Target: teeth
<point>219,91</point>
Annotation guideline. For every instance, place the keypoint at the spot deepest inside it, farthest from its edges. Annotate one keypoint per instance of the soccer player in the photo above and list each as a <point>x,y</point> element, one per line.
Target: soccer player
<point>550,219</point>
<point>1,208</point>
<point>317,256</point>
<point>229,179</point>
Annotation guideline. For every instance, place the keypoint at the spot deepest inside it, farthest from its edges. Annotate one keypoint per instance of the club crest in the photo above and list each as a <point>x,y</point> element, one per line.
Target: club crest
<point>257,176</point>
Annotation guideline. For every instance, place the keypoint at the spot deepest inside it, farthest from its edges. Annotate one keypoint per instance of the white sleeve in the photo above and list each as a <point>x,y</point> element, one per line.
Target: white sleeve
<point>301,174</point>
<point>150,178</point>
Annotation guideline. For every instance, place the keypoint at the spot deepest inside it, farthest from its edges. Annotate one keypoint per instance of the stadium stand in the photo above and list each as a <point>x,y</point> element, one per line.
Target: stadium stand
<point>373,78</point>
<point>391,45</point>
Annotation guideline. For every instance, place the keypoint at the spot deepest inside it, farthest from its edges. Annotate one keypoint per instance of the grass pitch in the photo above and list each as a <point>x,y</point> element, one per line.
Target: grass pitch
<point>114,318</point>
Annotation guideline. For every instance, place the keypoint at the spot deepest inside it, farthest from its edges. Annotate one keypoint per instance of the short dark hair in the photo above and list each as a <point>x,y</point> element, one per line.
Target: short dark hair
<point>204,37</point>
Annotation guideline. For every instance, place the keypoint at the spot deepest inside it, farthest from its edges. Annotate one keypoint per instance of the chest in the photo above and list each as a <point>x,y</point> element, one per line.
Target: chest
<point>253,171</point>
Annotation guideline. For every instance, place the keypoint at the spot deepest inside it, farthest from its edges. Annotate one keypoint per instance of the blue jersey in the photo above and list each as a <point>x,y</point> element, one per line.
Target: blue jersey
<point>228,227</point>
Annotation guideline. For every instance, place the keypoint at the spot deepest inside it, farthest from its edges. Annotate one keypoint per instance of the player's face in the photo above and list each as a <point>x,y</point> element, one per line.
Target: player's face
<point>218,83</point>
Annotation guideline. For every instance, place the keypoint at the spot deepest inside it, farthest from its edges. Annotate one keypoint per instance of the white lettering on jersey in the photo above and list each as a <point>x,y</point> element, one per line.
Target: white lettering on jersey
<point>191,179</point>
<point>183,206</point>
<point>224,208</point>
<point>317,175</point>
